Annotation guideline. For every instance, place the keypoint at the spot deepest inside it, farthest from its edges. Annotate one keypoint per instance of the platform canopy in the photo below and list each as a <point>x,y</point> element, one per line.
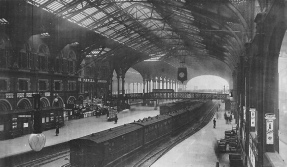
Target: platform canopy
<point>204,35</point>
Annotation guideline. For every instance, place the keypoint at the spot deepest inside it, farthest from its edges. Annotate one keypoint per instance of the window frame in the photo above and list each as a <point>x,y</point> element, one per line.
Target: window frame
<point>47,84</point>
<point>29,84</point>
<point>61,85</point>
<point>7,83</point>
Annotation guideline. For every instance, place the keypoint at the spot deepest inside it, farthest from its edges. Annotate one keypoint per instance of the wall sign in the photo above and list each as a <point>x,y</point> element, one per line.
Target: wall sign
<point>252,117</point>
<point>9,95</point>
<point>270,128</point>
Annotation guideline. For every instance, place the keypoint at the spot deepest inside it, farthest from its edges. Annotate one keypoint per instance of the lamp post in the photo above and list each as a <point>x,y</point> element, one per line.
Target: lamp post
<point>37,139</point>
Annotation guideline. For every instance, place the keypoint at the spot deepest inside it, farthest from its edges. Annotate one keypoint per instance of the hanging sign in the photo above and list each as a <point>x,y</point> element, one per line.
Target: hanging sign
<point>270,128</point>
<point>252,117</point>
<point>182,74</point>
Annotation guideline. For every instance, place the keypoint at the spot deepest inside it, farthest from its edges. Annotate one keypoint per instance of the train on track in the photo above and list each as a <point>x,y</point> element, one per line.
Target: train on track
<point>108,147</point>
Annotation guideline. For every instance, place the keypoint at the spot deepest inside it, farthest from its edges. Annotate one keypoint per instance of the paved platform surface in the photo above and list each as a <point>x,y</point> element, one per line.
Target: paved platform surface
<point>199,149</point>
<point>75,129</point>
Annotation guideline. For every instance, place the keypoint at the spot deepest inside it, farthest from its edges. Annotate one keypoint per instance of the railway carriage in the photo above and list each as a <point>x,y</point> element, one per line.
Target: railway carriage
<point>179,119</point>
<point>155,127</point>
<point>106,147</point>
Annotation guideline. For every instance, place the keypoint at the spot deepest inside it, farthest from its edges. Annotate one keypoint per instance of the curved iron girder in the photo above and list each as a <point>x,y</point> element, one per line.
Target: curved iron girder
<point>229,30</point>
<point>242,20</point>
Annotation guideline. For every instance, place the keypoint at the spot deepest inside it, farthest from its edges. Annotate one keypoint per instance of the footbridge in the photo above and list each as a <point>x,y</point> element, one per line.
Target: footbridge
<point>171,95</point>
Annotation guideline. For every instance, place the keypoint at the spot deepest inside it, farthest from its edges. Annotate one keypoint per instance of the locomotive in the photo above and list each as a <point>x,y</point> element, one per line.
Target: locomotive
<point>108,147</point>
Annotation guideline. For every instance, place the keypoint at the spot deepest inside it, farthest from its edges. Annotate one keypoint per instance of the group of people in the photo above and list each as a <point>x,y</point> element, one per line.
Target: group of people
<point>228,117</point>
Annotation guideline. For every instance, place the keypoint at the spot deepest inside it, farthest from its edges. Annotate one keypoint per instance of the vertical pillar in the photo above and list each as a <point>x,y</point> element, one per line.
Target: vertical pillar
<point>259,105</point>
<point>118,78</point>
<point>111,86</point>
<point>147,86</point>
<point>133,87</point>
<point>247,105</point>
<point>158,83</point>
<point>118,100</point>
<point>123,84</point>
<point>162,87</point>
<point>144,85</point>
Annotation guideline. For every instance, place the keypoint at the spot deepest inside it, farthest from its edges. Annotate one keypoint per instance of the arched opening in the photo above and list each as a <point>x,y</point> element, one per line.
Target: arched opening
<point>208,83</point>
<point>44,102</point>
<point>5,105</point>
<point>71,100</point>
<point>58,102</point>
<point>24,104</point>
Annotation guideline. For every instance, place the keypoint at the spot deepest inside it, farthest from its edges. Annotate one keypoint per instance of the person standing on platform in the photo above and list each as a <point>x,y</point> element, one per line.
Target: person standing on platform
<point>57,130</point>
<point>214,123</point>
<point>225,117</point>
<point>116,118</point>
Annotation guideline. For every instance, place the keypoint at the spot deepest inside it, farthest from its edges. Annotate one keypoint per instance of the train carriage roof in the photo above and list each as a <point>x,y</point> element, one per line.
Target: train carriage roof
<point>151,120</point>
<point>112,133</point>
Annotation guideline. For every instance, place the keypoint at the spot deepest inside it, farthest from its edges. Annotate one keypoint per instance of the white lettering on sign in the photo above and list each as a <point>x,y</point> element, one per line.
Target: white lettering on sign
<point>9,95</point>
<point>28,94</point>
<point>24,116</point>
<point>20,95</point>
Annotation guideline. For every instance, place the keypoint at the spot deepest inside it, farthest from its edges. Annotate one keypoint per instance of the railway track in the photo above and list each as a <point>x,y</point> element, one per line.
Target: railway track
<point>45,160</point>
<point>159,151</point>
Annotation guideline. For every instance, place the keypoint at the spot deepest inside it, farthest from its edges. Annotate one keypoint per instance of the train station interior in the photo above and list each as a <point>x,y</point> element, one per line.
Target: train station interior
<point>115,78</point>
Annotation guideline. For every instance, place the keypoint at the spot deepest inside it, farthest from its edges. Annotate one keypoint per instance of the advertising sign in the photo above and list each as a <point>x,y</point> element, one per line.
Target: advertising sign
<point>269,128</point>
<point>252,117</point>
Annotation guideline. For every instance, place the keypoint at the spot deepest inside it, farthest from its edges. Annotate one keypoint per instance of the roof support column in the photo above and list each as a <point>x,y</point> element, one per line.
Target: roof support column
<point>163,80</point>
<point>144,81</point>
<point>158,83</point>
<point>247,105</point>
<point>123,84</point>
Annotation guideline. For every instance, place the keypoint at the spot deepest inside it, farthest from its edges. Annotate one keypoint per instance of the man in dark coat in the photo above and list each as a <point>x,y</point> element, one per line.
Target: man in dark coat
<point>57,130</point>
<point>116,118</point>
<point>214,123</point>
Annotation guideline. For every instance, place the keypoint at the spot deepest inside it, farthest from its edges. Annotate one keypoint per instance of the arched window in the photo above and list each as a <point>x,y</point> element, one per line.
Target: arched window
<point>59,63</point>
<point>44,102</point>
<point>25,58</point>
<point>5,51</point>
<point>5,105</point>
<point>43,57</point>
<point>71,62</point>
<point>24,104</point>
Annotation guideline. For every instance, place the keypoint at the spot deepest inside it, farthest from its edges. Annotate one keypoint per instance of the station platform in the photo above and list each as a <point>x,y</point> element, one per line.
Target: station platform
<point>199,149</point>
<point>75,129</point>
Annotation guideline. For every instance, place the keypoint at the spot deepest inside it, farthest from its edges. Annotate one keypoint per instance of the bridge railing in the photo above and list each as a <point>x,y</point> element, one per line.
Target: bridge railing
<point>171,95</point>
